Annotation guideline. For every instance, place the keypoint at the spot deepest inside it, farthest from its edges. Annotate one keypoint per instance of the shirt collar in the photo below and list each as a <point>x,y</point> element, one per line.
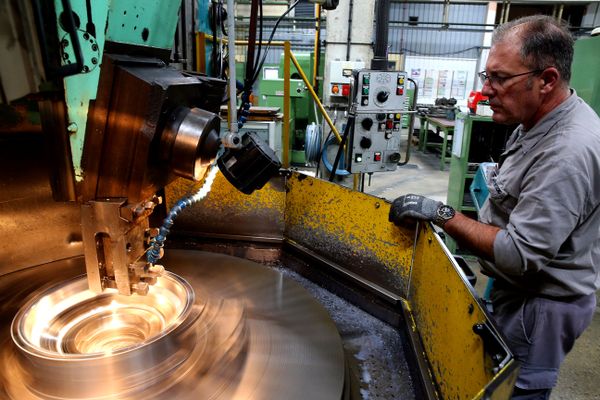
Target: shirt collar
<point>528,139</point>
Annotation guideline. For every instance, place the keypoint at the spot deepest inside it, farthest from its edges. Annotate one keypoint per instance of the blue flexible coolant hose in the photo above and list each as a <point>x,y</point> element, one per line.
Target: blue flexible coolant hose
<point>154,252</point>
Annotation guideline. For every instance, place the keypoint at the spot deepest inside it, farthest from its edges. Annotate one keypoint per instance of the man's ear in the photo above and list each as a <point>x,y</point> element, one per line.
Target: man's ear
<point>550,79</point>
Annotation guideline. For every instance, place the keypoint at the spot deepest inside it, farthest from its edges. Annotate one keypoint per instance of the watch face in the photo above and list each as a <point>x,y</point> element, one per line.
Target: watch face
<point>445,212</point>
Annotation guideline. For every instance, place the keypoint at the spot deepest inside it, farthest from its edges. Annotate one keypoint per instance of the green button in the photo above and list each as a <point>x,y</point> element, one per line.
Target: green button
<point>366,90</point>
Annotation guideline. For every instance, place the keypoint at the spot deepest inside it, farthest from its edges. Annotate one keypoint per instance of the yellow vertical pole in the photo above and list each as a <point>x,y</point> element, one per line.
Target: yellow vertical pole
<point>316,51</point>
<point>286,104</point>
<point>560,12</point>
<point>316,98</point>
<point>201,52</point>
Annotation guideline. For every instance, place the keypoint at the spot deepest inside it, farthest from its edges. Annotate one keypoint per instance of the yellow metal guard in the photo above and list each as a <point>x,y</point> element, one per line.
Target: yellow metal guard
<point>351,229</point>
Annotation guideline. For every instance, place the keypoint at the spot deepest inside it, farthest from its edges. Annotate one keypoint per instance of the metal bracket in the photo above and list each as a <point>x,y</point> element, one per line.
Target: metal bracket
<point>493,346</point>
<point>65,70</point>
<point>115,237</point>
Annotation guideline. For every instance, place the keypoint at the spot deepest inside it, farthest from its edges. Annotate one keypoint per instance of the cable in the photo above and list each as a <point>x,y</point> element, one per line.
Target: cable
<point>320,156</point>
<point>312,142</point>
<point>271,39</point>
<point>213,26</point>
<point>260,36</point>
<point>450,53</point>
<point>155,252</point>
<point>411,121</point>
<point>253,73</point>
<point>327,164</point>
<point>347,129</point>
<point>244,110</point>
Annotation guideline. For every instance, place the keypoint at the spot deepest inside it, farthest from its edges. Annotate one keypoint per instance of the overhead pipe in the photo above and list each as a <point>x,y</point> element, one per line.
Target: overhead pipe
<point>380,56</point>
<point>232,138</point>
<point>317,46</point>
<point>502,12</point>
<point>445,23</point>
<point>349,38</point>
<point>506,13</point>
<point>560,12</point>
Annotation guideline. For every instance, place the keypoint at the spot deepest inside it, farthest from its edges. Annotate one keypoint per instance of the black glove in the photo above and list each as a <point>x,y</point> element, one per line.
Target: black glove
<point>406,209</point>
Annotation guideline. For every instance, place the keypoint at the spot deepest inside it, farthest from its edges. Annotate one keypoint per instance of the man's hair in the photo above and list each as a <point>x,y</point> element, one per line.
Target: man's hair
<point>545,42</point>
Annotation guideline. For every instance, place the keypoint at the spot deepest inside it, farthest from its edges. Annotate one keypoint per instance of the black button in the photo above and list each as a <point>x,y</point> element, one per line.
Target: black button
<point>367,123</point>
<point>365,142</point>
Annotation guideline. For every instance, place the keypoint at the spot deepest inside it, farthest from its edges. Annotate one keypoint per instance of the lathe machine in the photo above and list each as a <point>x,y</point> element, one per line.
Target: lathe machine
<point>273,284</point>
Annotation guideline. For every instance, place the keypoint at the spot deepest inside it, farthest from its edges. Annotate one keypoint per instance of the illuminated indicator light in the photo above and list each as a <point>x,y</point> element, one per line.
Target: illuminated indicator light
<point>345,90</point>
<point>398,116</point>
<point>366,79</point>
<point>358,157</point>
<point>365,90</point>
<point>377,156</point>
<point>391,116</point>
<point>399,91</point>
<point>335,89</point>
<point>401,81</point>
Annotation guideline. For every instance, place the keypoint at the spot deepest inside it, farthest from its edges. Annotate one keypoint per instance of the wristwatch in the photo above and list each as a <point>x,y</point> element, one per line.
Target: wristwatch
<point>443,214</point>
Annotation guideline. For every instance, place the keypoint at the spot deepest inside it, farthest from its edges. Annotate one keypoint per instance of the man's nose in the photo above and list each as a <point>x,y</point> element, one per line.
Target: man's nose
<point>487,89</point>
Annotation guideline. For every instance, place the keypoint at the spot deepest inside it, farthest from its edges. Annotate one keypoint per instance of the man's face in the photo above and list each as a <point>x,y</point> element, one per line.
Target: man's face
<point>513,100</point>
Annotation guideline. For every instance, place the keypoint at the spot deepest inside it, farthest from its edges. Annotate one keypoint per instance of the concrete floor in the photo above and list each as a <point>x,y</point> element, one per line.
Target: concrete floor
<point>580,374</point>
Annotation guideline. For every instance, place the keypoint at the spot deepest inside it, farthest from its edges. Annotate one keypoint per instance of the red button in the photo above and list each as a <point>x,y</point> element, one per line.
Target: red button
<point>377,157</point>
<point>399,91</point>
<point>390,124</point>
<point>345,90</point>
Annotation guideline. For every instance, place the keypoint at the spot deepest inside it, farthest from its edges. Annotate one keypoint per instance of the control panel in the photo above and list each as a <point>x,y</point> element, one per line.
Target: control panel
<point>381,100</point>
<point>340,74</point>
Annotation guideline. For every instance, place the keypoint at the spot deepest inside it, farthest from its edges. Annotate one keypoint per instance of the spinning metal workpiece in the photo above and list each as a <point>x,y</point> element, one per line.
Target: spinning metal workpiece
<point>232,329</point>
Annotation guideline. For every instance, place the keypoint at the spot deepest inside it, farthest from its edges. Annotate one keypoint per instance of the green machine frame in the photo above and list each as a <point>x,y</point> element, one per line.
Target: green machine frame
<point>151,24</point>
<point>585,72</point>
<point>302,110</point>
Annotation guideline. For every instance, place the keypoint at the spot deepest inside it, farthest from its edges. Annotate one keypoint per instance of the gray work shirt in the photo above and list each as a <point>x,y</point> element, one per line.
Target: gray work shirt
<point>546,198</point>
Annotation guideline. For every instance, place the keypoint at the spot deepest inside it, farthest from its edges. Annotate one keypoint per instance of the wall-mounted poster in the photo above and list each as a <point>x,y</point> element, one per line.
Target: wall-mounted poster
<point>429,84</point>
<point>416,75</point>
<point>444,83</point>
<point>442,77</point>
<point>459,85</point>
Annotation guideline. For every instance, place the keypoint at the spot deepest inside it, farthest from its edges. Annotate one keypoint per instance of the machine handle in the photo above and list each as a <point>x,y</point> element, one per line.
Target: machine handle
<point>411,121</point>
<point>65,70</point>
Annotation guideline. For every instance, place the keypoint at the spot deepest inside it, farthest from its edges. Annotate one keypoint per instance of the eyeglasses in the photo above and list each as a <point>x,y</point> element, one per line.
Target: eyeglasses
<point>500,80</point>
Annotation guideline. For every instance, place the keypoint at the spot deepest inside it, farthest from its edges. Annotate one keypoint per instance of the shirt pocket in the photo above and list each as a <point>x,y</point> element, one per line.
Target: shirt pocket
<point>502,195</point>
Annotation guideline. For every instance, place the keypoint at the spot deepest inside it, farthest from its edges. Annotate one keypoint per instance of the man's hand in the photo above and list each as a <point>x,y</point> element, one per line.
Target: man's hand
<point>406,209</point>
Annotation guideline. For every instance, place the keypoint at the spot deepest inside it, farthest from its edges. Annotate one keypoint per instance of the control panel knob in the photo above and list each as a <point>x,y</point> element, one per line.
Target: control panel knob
<point>395,157</point>
<point>383,96</point>
<point>365,142</point>
<point>367,123</point>
<point>380,116</point>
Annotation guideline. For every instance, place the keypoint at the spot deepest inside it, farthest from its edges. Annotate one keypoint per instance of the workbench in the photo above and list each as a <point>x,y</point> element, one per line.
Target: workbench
<point>446,126</point>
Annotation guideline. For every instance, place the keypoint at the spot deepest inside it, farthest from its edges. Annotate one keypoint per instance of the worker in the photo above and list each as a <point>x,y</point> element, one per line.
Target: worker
<point>539,230</point>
